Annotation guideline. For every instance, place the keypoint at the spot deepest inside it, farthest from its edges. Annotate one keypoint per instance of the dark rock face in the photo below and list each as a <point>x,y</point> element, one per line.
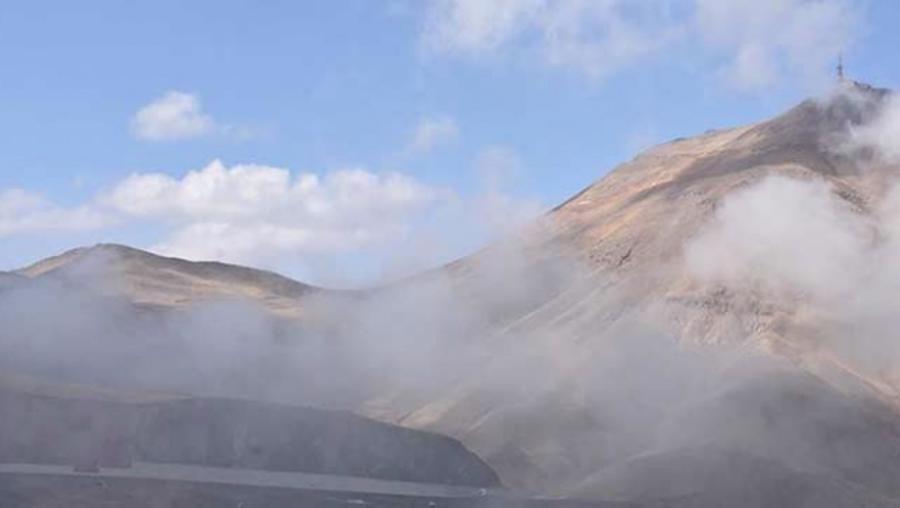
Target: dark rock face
<point>252,435</point>
<point>228,433</point>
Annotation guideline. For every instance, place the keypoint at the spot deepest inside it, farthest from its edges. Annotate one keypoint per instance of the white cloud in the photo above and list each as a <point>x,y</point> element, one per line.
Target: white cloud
<point>475,26</point>
<point>786,235</point>
<point>174,116</point>
<point>431,133</point>
<point>24,212</point>
<point>591,37</point>
<point>248,213</point>
<point>755,43</point>
<point>800,239</point>
<point>881,134</point>
<point>761,41</point>
<point>254,214</point>
<point>251,214</point>
<point>253,242</point>
<point>268,216</point>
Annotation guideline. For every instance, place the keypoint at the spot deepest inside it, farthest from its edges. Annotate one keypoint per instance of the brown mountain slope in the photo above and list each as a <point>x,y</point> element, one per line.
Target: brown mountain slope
<point>146,278</point>
<point>556,419</point>
<point>562,355</point>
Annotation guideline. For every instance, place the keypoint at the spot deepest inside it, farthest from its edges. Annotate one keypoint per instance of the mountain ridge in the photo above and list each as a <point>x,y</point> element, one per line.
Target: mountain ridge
<point>146,277</point>
<point>598,293</point>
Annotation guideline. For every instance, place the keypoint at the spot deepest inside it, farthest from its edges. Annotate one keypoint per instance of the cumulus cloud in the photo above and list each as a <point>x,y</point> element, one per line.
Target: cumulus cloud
<point>244,191</point>
<point>174,116</point>
<point>431,133</point>
<point>248,212</point>
<point>754,43</point>
<point>269,216</point>
<point>24,212</point>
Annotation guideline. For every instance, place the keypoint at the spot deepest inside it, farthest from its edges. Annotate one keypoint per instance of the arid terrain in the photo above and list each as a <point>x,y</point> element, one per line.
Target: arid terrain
<point>712,323</point>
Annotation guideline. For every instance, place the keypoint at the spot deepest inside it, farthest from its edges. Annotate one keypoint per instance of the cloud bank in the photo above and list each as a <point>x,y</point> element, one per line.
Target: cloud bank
<point>243,212</point>
<point>274,217</point>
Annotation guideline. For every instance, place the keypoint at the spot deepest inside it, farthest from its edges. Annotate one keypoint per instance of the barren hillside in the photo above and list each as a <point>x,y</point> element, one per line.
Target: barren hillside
<point>723,300</point>
<point>629,233</point>
<point>146,278</point>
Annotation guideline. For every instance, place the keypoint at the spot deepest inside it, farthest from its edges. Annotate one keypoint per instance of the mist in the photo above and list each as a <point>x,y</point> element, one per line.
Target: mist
<point>468,352</point>
<point>820,248</point>
<point>546,366</point>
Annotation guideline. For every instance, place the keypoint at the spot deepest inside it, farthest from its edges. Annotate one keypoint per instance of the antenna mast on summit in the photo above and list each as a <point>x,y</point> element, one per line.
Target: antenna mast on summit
<point>840,67</point>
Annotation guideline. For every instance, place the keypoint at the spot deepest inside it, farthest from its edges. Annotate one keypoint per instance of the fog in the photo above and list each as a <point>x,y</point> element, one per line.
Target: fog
<point>505,352</point>
<point>529,347</point>
<point>881,133</point>
<point>820,247</point>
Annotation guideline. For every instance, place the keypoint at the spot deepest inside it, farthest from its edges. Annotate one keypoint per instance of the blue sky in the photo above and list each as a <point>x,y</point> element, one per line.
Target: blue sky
<point>428,127</point>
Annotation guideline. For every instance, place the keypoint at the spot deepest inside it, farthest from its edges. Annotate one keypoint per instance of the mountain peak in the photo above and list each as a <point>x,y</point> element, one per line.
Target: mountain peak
<point>850,103</point>
<point>641,211</point>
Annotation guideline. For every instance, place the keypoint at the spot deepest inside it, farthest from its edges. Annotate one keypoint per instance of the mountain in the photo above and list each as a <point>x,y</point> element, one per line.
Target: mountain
<point>629,233</point>
<point>723,301</point>
<point>146,278</point>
